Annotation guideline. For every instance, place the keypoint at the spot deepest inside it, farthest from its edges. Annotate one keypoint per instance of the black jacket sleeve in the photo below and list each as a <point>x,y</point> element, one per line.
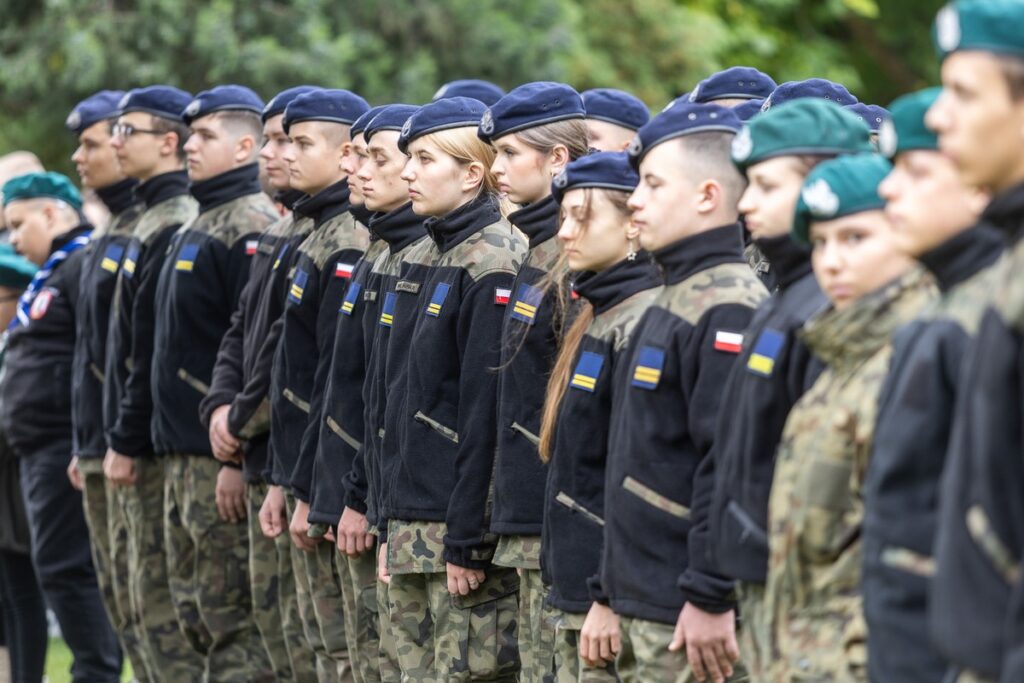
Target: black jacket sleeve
<point>226,381</point>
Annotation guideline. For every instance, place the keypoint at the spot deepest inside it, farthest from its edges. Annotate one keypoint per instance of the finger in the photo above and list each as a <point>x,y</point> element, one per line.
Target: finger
<point>605,648</point>
<point>240,510</point>
<point>678,639</point>
<point>219,499</point>
<point>368,541</point>
<point>696,665</point>
<point>453,585</point>
<point>722,660</point>
<point>732,649</point>
<point>585,647</point>
<point>464,588</point>
<point>710,659</point>
<point>358,543</point>
<point>350,545</point>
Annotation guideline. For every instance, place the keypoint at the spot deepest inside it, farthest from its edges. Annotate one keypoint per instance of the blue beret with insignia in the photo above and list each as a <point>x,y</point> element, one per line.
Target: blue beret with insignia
<point>905,129</point>
<point>735,83</point>
<point>281,100</point>
<point>164,101</point>
<point>47,185</point>
<point>222,98</point>
<point>615,106</point>
<point>812,87</point>
<point>748,110</point>
<point>359,125</point>
<point>390,117</point>
<point>606,170</point>
<point>485,91</point>
<point>839,187</point>
<point>984,25</point>
<point>529,106</point>
<point>332,106</point>
<point>102,106</point>
<point>449,112</point>
<point>678,120</point>
<point>871,114</point>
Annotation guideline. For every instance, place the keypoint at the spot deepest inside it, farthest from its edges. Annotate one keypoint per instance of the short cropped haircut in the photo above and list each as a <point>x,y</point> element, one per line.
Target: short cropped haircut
<point>162,125</point>
<point>708,156</point>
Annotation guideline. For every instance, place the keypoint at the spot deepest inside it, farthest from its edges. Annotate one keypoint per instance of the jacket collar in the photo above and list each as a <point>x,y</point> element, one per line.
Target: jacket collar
<point>226,187</point>
<point>695,253</point>
<point>455,227</point>
<point>608,288</point>
<point>538,221</point>
<point>162,187</point>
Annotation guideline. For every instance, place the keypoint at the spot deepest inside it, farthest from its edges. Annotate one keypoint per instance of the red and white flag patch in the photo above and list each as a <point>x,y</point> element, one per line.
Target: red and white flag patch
<point>251,246</point>
<point>729,342</point>
<point>41,304</point>
<point>344,270</point>
<point>501,296</point>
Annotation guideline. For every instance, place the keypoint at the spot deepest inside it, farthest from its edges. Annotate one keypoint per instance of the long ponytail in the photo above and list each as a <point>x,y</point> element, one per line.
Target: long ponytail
<point>558,380</point>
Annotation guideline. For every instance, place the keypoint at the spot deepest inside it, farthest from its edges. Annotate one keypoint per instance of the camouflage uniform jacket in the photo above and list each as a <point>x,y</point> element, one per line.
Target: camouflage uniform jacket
<point>198,291</point>
<point>816,509</point>
<point>127,394</point>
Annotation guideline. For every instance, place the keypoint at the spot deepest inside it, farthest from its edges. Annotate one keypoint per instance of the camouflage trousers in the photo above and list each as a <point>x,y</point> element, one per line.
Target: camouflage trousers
<point>321,608</point>
<point>754,638</point>
<point>645,656</point>
<point>569,667</point>
<point>536,637</point>
<point>443,638</point>
<point>170,654</point>
<point>362,622</point>
<point>208,564</point>
<point>390,671</point>
<point>108,539</point>
<point>271,580</point>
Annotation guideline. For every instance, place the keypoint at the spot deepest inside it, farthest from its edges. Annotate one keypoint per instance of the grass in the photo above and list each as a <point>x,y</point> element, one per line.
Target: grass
<point>58,663</point>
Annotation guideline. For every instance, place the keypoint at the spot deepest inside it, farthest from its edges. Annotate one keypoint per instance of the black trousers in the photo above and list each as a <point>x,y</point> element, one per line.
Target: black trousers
<point>63,563</point>
<point>24,617</point>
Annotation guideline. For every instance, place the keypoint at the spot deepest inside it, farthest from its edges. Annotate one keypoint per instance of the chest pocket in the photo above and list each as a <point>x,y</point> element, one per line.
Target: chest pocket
<point>527,303</point>
<point>437,299</point>
<point>387,309</point>
<point>587,372</point>
<point>186,261</point>
<point>649,365</point>
<point>351,298</point>
<point>112,258</point>
<point>130,261</point>
<point>298,287</point>
<point>766,352</point>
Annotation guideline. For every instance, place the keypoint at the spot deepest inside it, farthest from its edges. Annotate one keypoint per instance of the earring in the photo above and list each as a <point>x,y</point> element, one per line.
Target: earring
<point>631,254</point>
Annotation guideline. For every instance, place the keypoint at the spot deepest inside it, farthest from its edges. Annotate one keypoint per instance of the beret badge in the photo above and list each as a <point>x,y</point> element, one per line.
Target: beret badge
<point>820,199</point>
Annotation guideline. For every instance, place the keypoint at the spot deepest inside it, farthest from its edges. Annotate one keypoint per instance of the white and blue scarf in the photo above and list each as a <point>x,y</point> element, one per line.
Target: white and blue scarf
<point>28,296</point>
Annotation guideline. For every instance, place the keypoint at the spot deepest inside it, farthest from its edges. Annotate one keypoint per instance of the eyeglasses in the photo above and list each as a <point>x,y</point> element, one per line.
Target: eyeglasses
<point>126,130</point>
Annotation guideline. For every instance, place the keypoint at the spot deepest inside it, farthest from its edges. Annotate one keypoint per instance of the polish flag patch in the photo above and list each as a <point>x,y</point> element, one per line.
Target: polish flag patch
<point>501,296</point>
<point>251,246</point>
<point>729,342</point>
<point>343,270</point>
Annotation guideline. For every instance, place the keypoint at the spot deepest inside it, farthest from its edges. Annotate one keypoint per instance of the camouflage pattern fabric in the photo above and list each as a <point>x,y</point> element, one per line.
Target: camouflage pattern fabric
<point>754,639</point>
<point>300,651</point>
<point>536,638</point>
<point>568,666</point>
<point>362,622</point>
<point>208,562</point>
<point>645,655</point>
<point>329,606</point>
<point>390,670</point>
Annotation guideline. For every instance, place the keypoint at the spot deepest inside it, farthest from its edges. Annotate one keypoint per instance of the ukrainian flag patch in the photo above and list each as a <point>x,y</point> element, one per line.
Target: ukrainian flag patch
<point>528,300</point>
<point>588,369</point>
<point>130,259</point>
<point>766,352</point>
<point>437,299</point>
<point>351,297</point>
<point>649,365</point>
<point>112,259</point>
<point>187,257</point>
<point>387,309</point>
<point>298,287</point>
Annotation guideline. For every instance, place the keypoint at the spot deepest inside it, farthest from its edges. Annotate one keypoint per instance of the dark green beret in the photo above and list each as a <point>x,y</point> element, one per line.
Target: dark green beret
<point>986,25</point>
<point>15,271</point>
<point>803,126</point>
<point>47,185</point>
<point>905,129</point>
<point>839,187</point>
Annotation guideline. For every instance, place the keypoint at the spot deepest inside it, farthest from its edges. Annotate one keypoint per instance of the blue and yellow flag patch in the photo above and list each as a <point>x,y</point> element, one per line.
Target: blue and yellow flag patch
<point>130,260</point>
<point>351,298</point>
<point>298,287</point>
<point>766,352</point>
<point>112,259</point>
<point>647,372</point>
<point>280,255</point>
<point>588,369</point>
<point>387,309</point>
<point>527,302</point>
<point>437,299</point>
<point>186,260</point>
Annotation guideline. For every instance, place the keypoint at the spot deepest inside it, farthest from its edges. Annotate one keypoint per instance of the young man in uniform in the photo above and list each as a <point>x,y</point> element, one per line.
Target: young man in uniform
<point>42,210</point>
<point>96,161</point>
<point>977,599</point>
<point>237,411</point>
<point>613,118</point>
<point>197,291</point>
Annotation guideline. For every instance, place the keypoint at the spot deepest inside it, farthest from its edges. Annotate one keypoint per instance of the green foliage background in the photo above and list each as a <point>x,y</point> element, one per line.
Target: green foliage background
<point>55,52</point>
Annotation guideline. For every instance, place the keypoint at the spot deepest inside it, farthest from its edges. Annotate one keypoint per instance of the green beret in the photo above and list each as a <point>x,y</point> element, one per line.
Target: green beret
<point>42,185</point>
<point>15,271</point>
<point>905,129</point>
<point>986,25</point>
<point>805,126</point>
<point>839,187</point>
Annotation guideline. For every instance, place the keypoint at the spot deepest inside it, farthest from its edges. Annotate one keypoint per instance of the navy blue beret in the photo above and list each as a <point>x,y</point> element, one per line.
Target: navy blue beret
<point>450,112</point>
<point>812,87</point>
<point>281,100</point>
<point>606,170</point>
<point>678,120</point>
<point>735,83</point>
<point>359,125</point>
<point>332,106</point>
<point>531,105</point>
<point>390,117</point>
<point>164,101</point>
<point>871,114</point>
<point>615,106</point>
<point>222,98</point>
<point>485,91</point>
<point>93,109</point>
<point>748,110</point>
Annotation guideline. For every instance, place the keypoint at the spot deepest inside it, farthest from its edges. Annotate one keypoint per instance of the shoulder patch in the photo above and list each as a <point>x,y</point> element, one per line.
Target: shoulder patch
<point>344,270</point>
<point>649,364</point>
<point>436,302</point>
<point>387,309</point>
<point>729,342</point>
<point>111,260</point>
<point>131,259</point>
<point>766,352</point>
<point>527,302</point>
<point>351,298</point>
<point>187,255</point>
<point>298,287</point>
<point>588,369</point>
<point>41,304</point>
<point>502,295</point>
